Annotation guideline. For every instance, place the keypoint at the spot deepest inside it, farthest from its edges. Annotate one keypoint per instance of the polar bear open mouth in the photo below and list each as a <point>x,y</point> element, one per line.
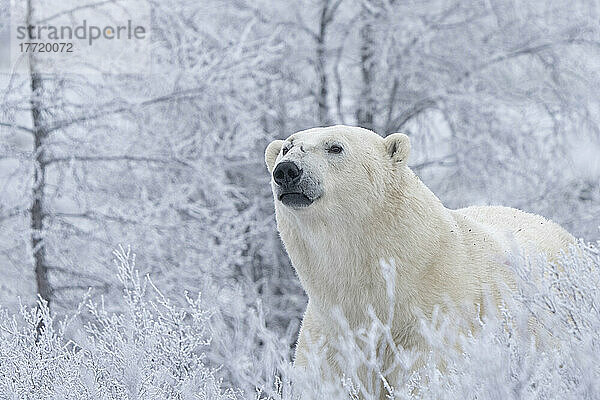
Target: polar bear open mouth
<point>295,199</point>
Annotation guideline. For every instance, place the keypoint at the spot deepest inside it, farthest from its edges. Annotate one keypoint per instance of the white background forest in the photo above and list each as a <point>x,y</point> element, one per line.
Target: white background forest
<point>500,99</point>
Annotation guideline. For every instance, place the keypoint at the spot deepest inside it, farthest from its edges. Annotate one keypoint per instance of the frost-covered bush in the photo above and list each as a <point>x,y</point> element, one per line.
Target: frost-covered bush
<point>543,343</point>
<point>150,350</point>
<point>560,302</point>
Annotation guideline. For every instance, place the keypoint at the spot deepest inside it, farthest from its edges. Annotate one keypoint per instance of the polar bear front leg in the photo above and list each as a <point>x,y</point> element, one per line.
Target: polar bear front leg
<point>314,347</point>
<point>314,344</point>
<point>309,335</point>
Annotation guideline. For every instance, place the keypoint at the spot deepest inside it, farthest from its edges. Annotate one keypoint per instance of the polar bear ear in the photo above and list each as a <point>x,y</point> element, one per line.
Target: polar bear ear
<point>271,153</point>
<point>397,146</point>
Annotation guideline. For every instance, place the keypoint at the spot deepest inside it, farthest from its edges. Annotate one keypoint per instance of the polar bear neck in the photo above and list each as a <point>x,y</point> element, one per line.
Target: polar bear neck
<point>339,266</point>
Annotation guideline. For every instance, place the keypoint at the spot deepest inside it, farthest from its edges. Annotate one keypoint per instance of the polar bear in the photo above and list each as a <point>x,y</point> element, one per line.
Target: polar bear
<point>346,199</point>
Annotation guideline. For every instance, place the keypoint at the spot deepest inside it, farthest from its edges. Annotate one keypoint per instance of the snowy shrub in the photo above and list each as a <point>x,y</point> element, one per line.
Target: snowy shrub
<point>150,350</point>
<point>153,349</point>
<point>542,344</point>
<point>559,301</point>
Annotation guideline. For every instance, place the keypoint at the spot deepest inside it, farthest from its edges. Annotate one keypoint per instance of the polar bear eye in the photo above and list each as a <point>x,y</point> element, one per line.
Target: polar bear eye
<point>285,150</point>
<point>334,149</point>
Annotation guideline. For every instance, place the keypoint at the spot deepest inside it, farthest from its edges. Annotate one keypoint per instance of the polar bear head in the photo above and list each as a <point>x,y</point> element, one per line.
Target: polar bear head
<point>337,170</point>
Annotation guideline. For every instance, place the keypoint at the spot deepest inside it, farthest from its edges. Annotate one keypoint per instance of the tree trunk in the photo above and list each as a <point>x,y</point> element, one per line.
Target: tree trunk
<point>44,290</point>
<point>321,66</point>
<point>365,112</point>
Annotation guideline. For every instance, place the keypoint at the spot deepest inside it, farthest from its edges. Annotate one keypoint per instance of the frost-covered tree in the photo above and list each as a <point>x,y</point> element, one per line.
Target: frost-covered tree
<point>131,158</point>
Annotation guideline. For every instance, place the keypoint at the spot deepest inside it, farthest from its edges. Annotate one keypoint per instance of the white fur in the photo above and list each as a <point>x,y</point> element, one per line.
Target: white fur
<point>374,207</point>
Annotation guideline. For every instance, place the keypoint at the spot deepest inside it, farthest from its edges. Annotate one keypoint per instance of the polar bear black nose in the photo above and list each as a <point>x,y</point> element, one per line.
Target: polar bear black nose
<point>286,173</point>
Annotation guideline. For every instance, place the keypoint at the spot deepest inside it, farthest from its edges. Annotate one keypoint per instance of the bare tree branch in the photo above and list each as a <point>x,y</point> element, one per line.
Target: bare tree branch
<point>125,158</point>
<point>443,161</point>
<point>75,9</point>
<point>330,10</point>
<point>78,274</point>
<point>100,217</point>
<point>102,287</point>
<point>429,102</point>
<point>14,126</point>
<point>417,108</point>
<point>13,212</point>
<point>174,96</point>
